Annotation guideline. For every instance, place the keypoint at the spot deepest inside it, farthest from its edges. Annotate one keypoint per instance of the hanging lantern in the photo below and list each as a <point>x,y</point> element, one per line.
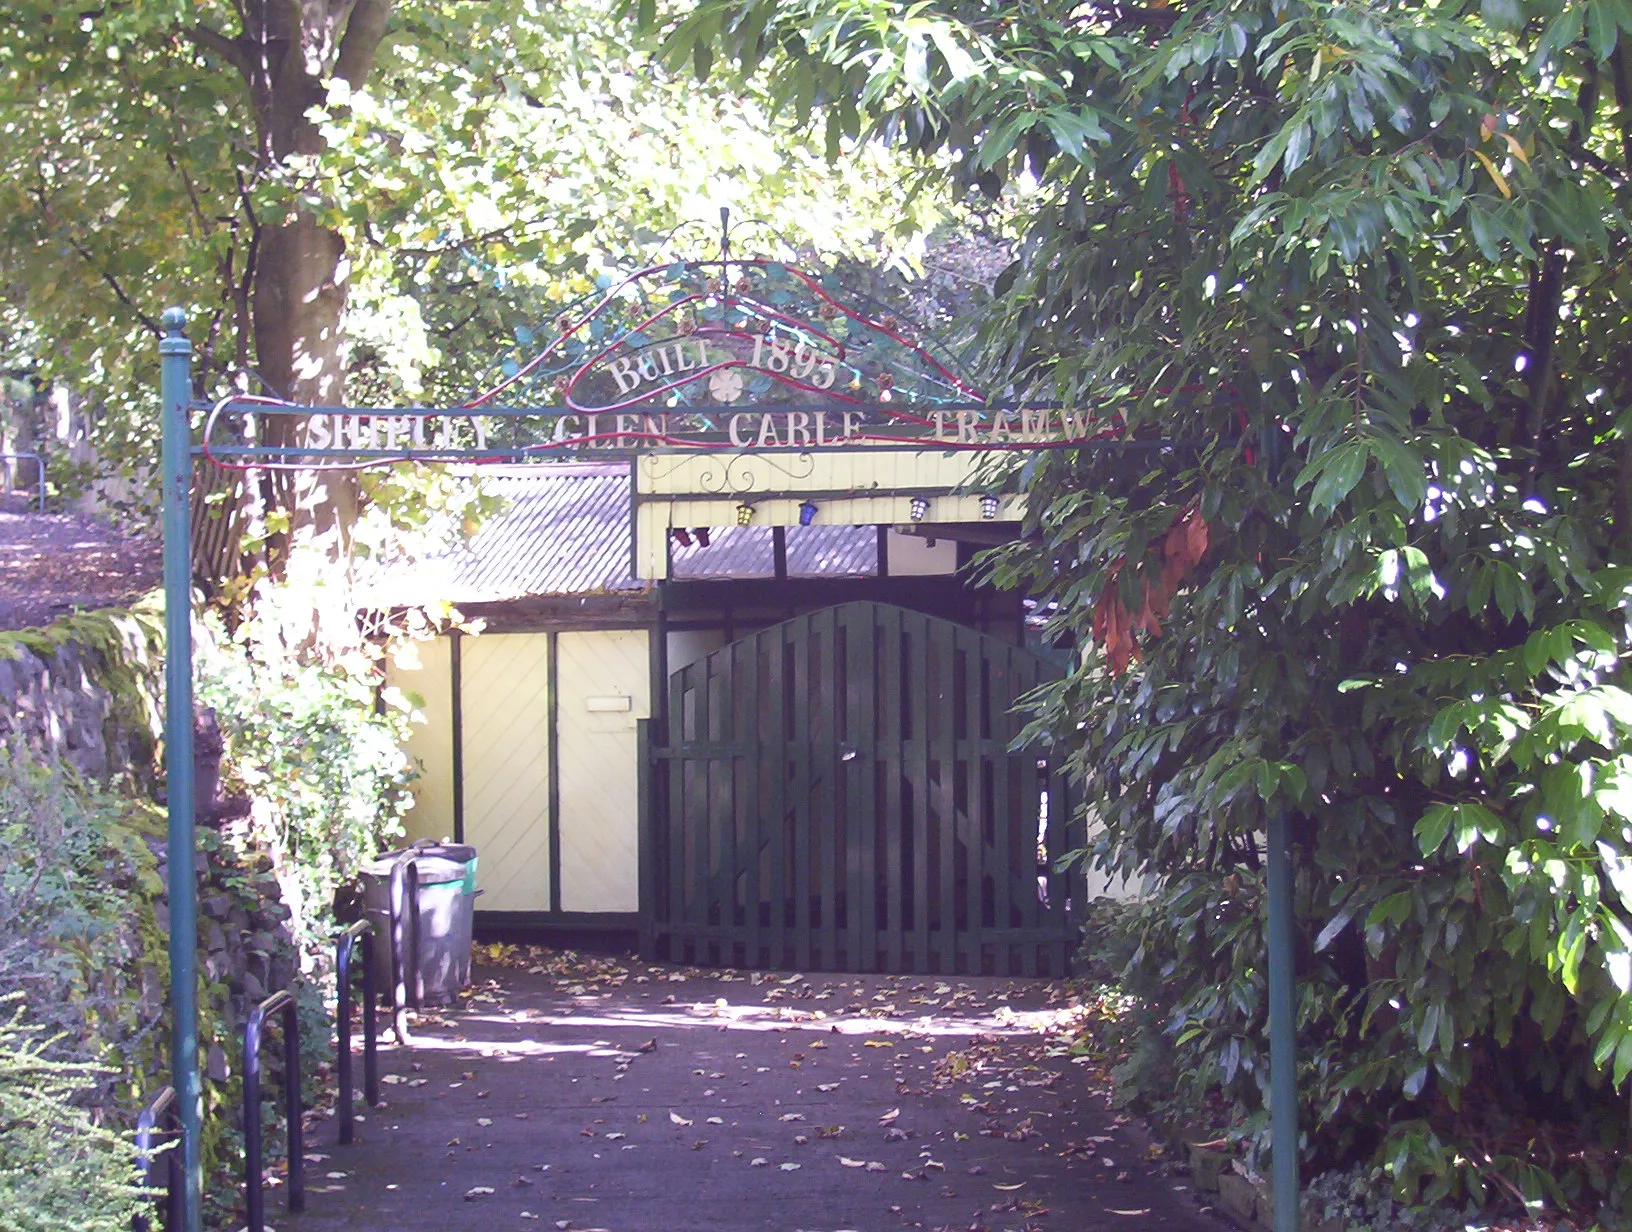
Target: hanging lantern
<point>807,513</point>
<point>745,514</point>
<point>988,506</point>
<point>702,535</point>
<point>682,536</point>
<point>920,507</point>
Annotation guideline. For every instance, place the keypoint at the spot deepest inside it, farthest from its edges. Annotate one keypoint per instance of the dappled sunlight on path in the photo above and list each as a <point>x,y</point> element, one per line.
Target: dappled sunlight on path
<point>583,1094</point>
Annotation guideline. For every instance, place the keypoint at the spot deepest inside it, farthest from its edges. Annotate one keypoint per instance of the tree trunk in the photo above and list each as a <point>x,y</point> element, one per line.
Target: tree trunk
<point>286,54</point>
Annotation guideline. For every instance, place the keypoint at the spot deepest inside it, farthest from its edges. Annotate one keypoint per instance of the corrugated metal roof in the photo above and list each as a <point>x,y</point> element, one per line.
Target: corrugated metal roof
<point>565,530</point>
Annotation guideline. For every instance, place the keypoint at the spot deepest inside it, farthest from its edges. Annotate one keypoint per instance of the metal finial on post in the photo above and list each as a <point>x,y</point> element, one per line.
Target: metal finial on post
<point>175,396</point>
<point>725,267</point>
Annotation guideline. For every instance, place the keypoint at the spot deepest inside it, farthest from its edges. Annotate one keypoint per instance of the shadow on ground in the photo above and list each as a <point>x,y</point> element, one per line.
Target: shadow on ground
<point>586,1094</point>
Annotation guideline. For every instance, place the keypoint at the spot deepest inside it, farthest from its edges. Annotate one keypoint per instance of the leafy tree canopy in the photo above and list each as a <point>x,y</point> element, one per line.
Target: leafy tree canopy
<point>356,188</point>
<point>1364,264</point>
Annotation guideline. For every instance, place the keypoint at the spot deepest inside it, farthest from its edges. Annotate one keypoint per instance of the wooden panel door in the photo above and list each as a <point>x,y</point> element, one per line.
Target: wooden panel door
<point>604,687</point>
<point>506,717</point>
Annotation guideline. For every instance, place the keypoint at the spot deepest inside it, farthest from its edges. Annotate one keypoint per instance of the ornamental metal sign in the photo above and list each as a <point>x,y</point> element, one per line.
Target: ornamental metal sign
<point>720,354</point>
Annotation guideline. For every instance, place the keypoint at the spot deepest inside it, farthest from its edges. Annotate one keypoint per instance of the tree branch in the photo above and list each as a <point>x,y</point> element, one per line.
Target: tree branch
<point>361,41</point>
<point>228,49</point>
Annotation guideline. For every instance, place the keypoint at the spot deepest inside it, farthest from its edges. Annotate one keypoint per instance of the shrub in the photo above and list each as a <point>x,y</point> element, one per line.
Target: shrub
<point>60,1170</point>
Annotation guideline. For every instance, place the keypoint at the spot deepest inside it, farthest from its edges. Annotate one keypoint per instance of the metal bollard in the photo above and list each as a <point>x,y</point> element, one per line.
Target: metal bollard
<point>159,1117</point>
<point>282,1000</point>
<point>361,931</point>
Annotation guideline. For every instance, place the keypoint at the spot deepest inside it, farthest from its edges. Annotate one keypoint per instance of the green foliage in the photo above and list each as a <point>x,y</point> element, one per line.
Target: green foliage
<point>78,881</point>
<point>80,897</point>
<point>324,769</point>
<point>1365,266</point>
<point>488,164</point>
<point>60,1170</point>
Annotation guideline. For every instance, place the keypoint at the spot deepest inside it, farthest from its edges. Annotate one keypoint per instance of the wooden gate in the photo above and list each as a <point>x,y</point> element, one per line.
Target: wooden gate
<point>837,793</point>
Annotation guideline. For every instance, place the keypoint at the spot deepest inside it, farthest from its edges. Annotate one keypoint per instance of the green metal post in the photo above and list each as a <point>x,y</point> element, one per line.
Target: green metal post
<point>176,392</point>
<point>1283,1037</point>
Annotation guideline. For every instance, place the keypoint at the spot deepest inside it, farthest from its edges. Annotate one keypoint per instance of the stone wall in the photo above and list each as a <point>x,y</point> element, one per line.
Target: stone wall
<point>86,690</point>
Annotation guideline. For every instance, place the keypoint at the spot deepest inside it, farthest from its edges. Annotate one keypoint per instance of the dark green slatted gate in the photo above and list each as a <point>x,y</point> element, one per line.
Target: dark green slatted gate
<point>837,793</point>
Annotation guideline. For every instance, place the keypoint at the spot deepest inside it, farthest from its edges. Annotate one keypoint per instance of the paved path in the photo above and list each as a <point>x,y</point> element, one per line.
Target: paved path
<point>657,1100</point>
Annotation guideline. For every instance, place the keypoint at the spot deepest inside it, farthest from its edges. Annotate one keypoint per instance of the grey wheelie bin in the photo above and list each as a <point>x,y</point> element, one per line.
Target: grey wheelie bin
<point>436,919</point>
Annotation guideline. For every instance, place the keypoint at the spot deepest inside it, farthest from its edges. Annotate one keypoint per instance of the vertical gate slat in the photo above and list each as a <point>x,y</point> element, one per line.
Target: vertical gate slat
<point>942,759</point>
<point>736,729</point>
<point>800,786</point>
<point>754,732</point>
<point>829,705</point>
<point>1014,833</point>
<point>680,772</point>
<point>891,768</point>
<point>774,819</point>
<point>921,867</point>
<point>943,710</point>
<point>701,852</point>
<point>975,791</point>
<point>859,815</point>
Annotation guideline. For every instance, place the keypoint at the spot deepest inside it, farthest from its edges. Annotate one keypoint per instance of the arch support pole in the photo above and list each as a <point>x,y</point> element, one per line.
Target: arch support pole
<point>176,395</point>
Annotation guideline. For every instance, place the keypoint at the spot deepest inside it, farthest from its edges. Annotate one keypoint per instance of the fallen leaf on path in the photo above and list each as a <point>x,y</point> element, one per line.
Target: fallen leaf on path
<point>1010,1188</point>
<point>478,1191</point>
<point>791,1116</point>
<point>758,1161</point>
<point>852,1163</point>
<point>889,1116</point>
<point>484,1120</point>
<point>677,1119</point>
<point>874,1166</point>
<point>788,1167</point>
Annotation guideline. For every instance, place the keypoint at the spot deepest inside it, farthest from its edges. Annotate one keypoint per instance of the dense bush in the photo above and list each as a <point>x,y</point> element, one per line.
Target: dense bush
<point>319,760</point>
<point>78,935</point>
<point>60,1170</point>
<point>1341,291</point>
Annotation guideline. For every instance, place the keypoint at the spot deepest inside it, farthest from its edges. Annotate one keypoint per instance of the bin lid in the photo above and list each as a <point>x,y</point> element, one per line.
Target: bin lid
<point>464,853</point>
<point>434,863</point>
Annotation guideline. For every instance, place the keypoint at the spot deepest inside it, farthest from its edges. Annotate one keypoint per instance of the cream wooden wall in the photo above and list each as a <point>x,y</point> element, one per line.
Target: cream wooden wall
<point>423,671</point>
<point>597,674</point>
<point>506,714</point>
<point>603,686</point>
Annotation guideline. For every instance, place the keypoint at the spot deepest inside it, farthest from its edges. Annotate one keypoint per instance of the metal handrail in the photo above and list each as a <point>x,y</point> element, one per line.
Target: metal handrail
<point>159,1117</point>
<point>282,1000</point>
<point>404,946</point>
<point>362,931</point>
<point>39,470</point>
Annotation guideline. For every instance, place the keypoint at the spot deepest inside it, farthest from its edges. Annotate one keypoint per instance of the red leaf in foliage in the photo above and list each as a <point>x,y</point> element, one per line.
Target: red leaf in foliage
<point>1114,625</point>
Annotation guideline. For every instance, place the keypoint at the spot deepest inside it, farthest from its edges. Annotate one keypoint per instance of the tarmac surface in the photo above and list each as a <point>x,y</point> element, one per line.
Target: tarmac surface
<point>575,1094</point>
